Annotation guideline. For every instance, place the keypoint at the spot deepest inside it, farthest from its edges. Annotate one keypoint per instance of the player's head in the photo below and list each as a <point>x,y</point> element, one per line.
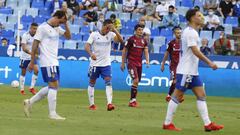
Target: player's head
<point>107,26</point>
<point>177,32</point>
<point>33,28</point>
<point>60,16</point>
<point>194,16</point>
<point>139,30</point>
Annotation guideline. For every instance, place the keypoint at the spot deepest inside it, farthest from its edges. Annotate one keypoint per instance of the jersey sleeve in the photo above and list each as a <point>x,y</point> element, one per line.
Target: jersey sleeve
<point>61,30</point>
<point>113,35</point>
<point>129,43</point>
<point>192,39</point>
<point>24,39</point>
<point>90,39</point>
<point>145,44</point>
<point>169,49</point>
<point>39,34</point>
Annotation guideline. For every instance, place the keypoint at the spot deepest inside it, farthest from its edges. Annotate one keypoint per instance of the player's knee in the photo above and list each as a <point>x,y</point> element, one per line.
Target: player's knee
<point>91,84</point>
<point>175,99</point>
<point>108,83</point>
<point>135,81</point>
<point>203,98</point>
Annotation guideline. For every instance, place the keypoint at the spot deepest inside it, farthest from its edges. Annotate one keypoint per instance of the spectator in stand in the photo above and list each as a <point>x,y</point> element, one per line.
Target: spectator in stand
<point>237,50</point>
<point>68,11</point>
<point>103,6</point>
<point>171,19</point>
<point>86,3</point>
<point>226,8</point>
<point>204,48</point>
<point>13,47</point>
<point>73,5</point>
<point>212,21</point>
<point>236,11</point>
<point>140,7</point>
<point>222,46</point>
<point>161,10</point>
<point>55,5</point>
<point>129,5</point>
<point>4,42</point>
<point>91,17</point>
<point>100,21</point>
<point>150,9</point>
<point>112,5</point>
<point>2,3</point>
<point>116,22</point>
<point>146,33</point>
<point>213,4</point>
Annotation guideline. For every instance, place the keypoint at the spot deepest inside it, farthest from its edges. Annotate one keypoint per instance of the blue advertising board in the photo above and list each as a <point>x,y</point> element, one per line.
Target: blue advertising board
<point>222,82</point>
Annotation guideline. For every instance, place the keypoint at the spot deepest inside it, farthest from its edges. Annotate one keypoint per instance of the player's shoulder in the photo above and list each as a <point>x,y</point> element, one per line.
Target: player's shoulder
<point>94,33</point>
<point>189,31</point>
<point>25,34</point>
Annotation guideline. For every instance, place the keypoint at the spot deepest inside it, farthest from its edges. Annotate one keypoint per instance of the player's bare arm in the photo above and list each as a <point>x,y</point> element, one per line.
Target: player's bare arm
<point>146,55</point>
<point>25,49</point>
<point>201,56</point>
<point>118,37</point>
<point>67,33</point>
<point>88,49</point>
<point>33,54</point>
<point>124,52</point>
<point>166,54</point>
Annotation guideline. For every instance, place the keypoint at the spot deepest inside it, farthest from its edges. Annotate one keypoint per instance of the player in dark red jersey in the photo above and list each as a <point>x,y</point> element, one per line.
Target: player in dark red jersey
<point>134,48</point>
<point>173,50</point>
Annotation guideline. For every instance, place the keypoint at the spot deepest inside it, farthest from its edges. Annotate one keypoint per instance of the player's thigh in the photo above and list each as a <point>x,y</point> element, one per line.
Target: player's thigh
<point>199,91</point>
<point>23,65</point>
<point>106,73</point>
<point>132,71</point>
<point>178,94</point>
<point>51,75</point>
<point>93,72</point>
<point>173,76</point>
<point>139,73</point>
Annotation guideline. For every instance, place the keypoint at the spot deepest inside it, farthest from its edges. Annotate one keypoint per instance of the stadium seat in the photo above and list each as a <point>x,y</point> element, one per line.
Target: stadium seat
<point>82,12</point>
<point>166,32</point>
<point>9,26</point>
<point>125,16</point>
<point>3,18</point>
<point>163,48</point>
<point>187,3</point>
<point>7,10</point>
<point>76,36</point>
<point>155,32</point>
<point>81,45</point>
<point>7,33</point>
<point>85,30</point>
<point>85,37</point>
<point>216,34</point>
<point>232,21</point>
<point>60,45</point>
<point>70,44</point>
<point>131,23</point>
<point>32,11</point>
<point>127,31</point>
<point>39,19</point>
<point>37,4</point>
<point>12,18</point>
<point>182,10</point>
<point>206,34</point>
<point>156,24</point>
<point>158,42</point>
<point>148,24</point>
<point>182,18</point>
<point>12,4</point>
<point>177,3</point>
<point>26,19</point>
<point>44,12</point>
<point>136,16</point>
<point>211,42</point>
<point>228,28</point>
<point>74,28</point>
<point>79,21</point>
<point>109,13</point>
<point>198,3</point>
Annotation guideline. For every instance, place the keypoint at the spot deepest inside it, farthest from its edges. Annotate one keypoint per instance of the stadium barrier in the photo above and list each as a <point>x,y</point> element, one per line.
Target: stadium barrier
<point>222,82</point>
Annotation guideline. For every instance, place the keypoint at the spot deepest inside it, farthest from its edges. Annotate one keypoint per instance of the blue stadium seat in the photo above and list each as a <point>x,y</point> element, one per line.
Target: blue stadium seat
<point>32,11</point>
<point>38,4</point>
<point>60,44</point>
<point>182,18</point>
<point>9,26</point>
<point>12,4</point>
<point>127,31</point>
<point>70,44</point>
<point>216,34</point>
<point>206,34</point>
<point>78,21</point>
<point>44,12</point>
<point>158,42</point>
<point>25,26</point>
<point>7,33</point>
<point>85,37</point>
<point>12,18</point>
<point>187,3</point>
<point>7,10</point>
<point>125,16</point>
<point>76,36</point>
<point>148,24</point>
<point>232,20</point>
<point>155,32</point>
<point>198,3</point>
<point>182,10</point>
<point>136,16</point>
<point>166,32</point>
<point>85,30</point>
<point>81,45</point>
<point>131,23</point>
<point>3,18</point>
<point>163,48</point>
<point>26,19</point>
<point>39,19</point>
<point>74,28</point>
<point>82,12</point>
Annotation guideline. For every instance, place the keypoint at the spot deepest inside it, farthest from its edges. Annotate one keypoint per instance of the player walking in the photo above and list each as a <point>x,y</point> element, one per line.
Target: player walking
<point>100,64</point>
<point>134,48</point>
<point>27,40</point>
<point>187,73</point>
<point>47,39</point>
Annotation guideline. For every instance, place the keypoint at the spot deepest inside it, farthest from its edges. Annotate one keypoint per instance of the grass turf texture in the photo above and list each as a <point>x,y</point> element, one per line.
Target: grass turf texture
<point>144,120</point>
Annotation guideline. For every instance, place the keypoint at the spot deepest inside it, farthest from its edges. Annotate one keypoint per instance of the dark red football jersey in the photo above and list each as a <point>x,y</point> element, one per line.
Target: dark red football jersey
<point>174,49</point>
<point>135,46</point>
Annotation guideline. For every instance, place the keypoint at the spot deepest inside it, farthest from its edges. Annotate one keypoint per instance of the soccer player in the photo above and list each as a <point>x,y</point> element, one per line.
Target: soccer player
<point>100,64</point>
<point>188,76</point>
<point>47,39</point>
<point>134,48</point>
<point>174,50</point>
<point>27,40</point>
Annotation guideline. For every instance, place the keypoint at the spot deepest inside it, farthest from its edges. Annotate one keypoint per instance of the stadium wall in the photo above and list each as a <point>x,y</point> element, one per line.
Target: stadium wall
<point>222,82</point>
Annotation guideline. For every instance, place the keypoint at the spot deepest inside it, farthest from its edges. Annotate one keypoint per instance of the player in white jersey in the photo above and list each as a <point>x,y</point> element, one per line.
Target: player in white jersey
<point>187,73</point>
<point>27,40</point>
<point>100,64</point>
<point>47,39</point>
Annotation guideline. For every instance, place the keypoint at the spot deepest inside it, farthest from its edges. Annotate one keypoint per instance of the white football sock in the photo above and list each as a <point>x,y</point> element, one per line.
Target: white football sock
<point>203,110</point>
<point>91,95</point>
<point>21,82</point>
<point>40,95</point>
<point>52,101</point>
<point>172,107</point>
<point>34,80</point>
<point>109,94</point>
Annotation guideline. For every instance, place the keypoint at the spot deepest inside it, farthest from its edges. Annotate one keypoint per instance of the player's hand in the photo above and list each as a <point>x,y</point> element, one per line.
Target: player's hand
<point>162,67</point>
<point>122,67</point>
<point>93,57</point>
<point>30,66</point>
<point>213,66</point>
<point>147,64</point>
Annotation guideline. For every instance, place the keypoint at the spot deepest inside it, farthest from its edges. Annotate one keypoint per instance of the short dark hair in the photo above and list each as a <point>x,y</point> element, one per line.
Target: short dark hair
<point>106,22</point>
<point>190,13</point>
<point>113,16</point>
<point>34,24</point>
<point>59,14</point>
<point>4,39</point>
<point>171,6</point>
<point>138,26</point>
<point>176,27</point>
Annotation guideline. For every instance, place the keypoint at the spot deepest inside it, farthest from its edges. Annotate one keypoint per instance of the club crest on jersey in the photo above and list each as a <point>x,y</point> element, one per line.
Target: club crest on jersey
<point>142,41</point>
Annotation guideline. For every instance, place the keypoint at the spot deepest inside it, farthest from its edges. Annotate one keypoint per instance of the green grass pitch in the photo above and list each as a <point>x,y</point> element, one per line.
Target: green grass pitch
<point>147,119</point>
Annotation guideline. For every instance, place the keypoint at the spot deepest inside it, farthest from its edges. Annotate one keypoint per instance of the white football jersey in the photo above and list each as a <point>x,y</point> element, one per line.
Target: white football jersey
<point>49,40</point>
<point>101,47</point>
<point>188,63</point>
<point>27,39</point>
